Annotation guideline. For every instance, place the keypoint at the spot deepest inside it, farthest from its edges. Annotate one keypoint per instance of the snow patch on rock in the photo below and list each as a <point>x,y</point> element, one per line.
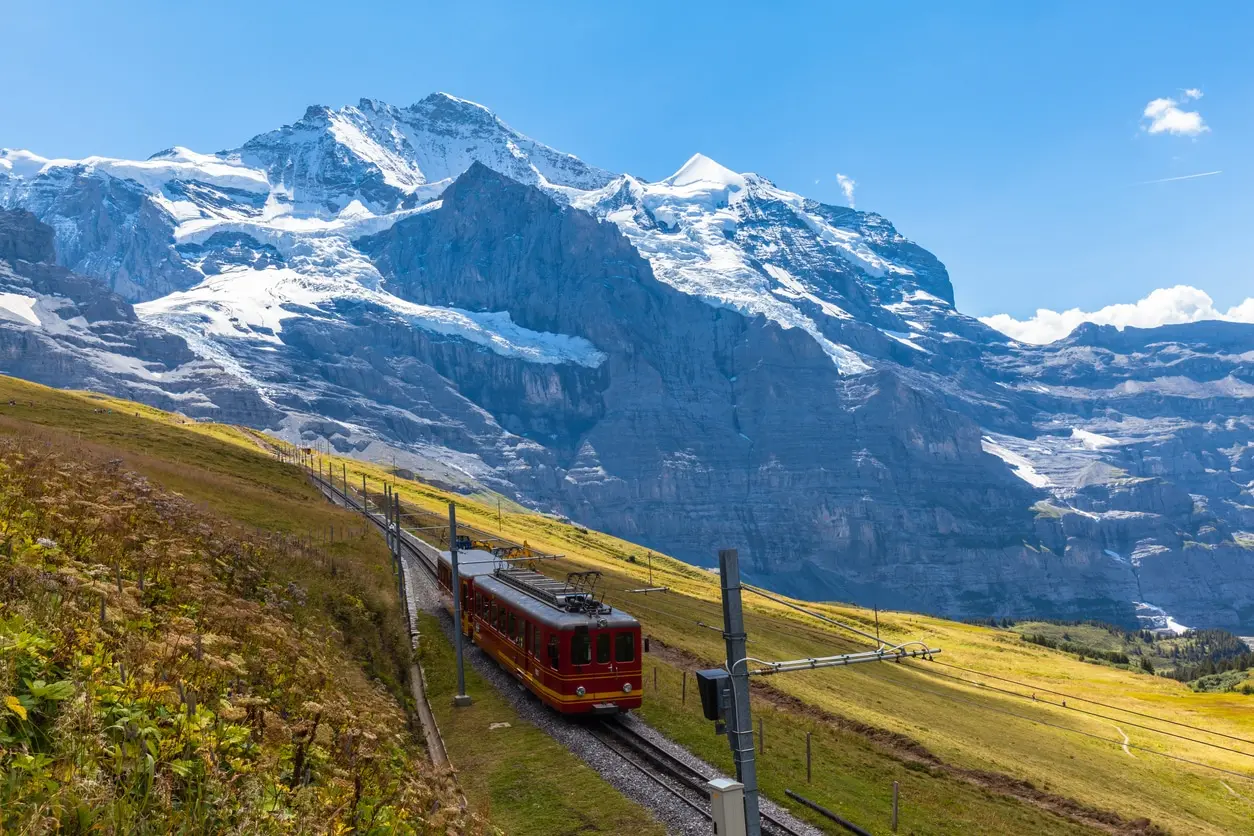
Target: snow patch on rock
<point>1019,465</point>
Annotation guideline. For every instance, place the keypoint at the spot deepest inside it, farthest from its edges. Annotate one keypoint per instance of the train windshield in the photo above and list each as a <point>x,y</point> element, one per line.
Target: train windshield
<point>580,647</point>
<point>603,648</point>
<point>625,647</point>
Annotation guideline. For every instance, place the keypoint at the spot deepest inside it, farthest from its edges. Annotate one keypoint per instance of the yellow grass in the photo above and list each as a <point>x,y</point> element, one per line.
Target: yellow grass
<point>966,725</point>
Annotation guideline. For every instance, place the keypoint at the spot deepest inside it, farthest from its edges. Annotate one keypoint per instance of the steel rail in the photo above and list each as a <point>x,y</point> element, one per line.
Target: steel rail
<point>690,776</point>
<point>651,774</point>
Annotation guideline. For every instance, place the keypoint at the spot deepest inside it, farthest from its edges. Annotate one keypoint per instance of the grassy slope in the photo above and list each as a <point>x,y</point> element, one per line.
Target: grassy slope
<point>165,669</point>
<point>223,469</point>
<point>963,727</point>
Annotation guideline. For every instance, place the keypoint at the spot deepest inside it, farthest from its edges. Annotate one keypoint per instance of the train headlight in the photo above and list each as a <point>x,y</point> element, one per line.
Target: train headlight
<point>626,687</point>
<point>580,691</point>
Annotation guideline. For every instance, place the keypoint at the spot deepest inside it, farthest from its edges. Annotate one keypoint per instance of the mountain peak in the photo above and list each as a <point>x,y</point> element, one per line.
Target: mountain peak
<point>701,169</point>
<point>440,97</point>
<point>443,107</point>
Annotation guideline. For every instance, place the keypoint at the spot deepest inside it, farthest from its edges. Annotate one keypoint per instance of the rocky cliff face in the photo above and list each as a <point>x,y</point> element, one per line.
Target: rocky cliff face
<point>698,362</point>
<point>1145,440</point>
<point>64,329</point>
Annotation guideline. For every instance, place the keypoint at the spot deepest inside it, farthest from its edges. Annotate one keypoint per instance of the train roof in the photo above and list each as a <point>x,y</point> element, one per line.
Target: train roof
<point>545,613</point>
<point>471,562</point>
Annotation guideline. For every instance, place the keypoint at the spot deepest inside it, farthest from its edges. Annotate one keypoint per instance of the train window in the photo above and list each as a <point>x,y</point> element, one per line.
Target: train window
<point>554,652</point>
<point>603,648</point>
<point>535,641</point>
<point>501,619</point>
<point>513,626</point>
<point>520,631</point>
<point>495,612</point>
<point>580,647</point>
<point>625,647</point>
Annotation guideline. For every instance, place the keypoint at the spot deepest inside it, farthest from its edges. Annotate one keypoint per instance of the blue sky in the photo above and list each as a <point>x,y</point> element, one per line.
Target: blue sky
<point>1009,139</point>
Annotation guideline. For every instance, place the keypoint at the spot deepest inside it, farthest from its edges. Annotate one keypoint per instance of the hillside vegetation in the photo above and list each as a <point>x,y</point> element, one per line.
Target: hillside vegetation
<point>1189,657</point>
<point>165,668</point>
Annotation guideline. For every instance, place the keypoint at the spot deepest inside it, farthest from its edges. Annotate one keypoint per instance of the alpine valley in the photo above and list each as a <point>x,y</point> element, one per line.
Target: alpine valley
<point>699,362</point>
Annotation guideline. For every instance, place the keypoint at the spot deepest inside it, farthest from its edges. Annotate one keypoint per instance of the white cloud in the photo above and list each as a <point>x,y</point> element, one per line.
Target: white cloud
<point>1165,116</point>
<point>846,185</point>
<point>1165,306</point>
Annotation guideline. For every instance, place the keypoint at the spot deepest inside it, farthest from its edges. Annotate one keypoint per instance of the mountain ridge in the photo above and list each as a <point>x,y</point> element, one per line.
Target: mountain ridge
<point>673,361</point>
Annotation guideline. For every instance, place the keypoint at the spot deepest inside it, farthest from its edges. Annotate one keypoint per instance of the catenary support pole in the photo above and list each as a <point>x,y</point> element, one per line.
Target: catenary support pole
<point>461,699</point>
<point>396,530</point>
<point>396,551</point>
<point>387,517</point>
<point>739,720</point>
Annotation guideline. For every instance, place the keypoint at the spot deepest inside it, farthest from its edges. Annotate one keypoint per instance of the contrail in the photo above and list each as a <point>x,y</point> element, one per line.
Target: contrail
<point>1183,177</point>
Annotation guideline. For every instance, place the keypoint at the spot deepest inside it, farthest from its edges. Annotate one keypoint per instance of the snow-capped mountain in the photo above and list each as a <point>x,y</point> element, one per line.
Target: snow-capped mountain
<point>706,359</point>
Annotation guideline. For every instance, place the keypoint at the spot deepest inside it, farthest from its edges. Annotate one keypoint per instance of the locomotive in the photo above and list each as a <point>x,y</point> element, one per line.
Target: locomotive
<point>574,652</point>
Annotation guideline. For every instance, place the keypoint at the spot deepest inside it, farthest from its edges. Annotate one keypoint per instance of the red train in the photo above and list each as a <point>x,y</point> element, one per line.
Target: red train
<point>568,648</point>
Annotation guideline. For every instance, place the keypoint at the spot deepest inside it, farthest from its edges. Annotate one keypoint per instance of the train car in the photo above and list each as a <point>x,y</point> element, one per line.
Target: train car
<point>575,653</point>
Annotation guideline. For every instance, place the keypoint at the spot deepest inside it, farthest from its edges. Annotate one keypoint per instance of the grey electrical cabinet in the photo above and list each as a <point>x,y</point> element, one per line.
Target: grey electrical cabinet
<point>727,804</point>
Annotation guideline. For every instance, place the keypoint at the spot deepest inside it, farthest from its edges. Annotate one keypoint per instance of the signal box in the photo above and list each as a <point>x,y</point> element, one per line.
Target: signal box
<point>712,685</point>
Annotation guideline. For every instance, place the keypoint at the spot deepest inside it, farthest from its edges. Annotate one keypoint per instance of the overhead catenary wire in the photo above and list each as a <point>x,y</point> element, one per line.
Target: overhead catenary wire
<point>813,614</point>
<point>815,635</point>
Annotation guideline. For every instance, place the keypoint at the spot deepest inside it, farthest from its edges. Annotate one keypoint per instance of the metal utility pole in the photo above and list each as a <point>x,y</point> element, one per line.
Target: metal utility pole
<point>387,517</point>
<point>396,547</point>
<point>461,699</point>
<point>739,719</point>
<point>725,693</point>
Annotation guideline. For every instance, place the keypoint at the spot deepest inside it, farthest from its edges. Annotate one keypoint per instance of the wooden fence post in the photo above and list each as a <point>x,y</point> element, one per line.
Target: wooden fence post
<point>807,757</point>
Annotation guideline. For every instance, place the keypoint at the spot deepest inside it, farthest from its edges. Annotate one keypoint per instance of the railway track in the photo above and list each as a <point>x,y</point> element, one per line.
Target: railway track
<point>678,778</point>
<point>338,496</point>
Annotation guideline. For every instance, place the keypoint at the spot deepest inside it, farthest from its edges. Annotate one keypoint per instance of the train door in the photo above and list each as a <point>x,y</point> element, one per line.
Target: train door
<point>529,643</point>
<point>468,605</point>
